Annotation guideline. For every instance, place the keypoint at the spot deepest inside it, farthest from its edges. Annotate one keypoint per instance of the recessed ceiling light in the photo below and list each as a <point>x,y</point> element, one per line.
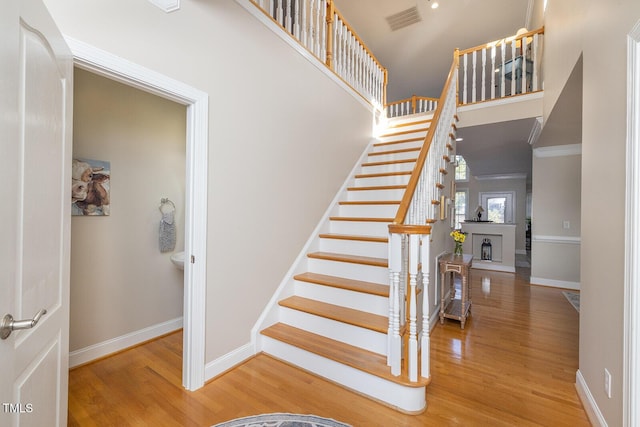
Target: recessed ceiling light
<point>434,5</point>
<point>459,139</point>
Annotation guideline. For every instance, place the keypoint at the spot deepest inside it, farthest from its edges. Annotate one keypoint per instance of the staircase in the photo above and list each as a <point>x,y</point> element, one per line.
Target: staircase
<point>332,317</point>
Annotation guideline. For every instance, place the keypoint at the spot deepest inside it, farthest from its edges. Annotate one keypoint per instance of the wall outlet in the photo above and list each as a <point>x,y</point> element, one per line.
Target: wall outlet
<point>607,383</point>
<point>566,225</point>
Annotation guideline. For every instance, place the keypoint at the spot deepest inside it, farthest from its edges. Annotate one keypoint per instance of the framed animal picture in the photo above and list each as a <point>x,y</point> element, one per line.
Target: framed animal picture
<point>90,187</point>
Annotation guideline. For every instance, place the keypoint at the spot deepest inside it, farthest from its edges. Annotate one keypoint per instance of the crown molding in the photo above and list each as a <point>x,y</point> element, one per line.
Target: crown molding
<point>501,176</point>
<point>166,5</point>
<point>558,150</point>
<point>536,130</point>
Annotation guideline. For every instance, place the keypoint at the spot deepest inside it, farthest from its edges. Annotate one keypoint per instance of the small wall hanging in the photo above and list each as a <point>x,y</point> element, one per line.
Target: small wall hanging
<point>167,230</point>
<point>90,187</point>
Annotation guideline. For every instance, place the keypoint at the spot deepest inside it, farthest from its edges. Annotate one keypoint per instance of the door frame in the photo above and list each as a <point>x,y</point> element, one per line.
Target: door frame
<point>113,67</point>
<point>631,368</point>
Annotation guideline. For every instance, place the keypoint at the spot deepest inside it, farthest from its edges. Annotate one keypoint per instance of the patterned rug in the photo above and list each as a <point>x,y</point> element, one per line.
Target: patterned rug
<point>282,420</point>
<point>573,298</point>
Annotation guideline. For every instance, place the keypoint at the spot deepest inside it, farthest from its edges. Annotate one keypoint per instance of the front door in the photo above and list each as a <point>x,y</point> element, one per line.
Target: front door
<point>35,199</point>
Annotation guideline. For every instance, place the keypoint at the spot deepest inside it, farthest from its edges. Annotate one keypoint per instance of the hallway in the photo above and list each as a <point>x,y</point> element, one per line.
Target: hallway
<point>513,364</point>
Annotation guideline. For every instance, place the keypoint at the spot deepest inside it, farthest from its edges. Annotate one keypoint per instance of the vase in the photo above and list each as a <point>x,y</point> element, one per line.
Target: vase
<point>457,251</point>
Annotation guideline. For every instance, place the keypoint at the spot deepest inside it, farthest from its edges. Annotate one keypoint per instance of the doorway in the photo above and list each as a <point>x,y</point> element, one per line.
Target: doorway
<point>105,64</point>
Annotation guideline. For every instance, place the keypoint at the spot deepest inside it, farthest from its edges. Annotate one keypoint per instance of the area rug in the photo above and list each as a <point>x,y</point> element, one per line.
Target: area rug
<point>282,420</point>
<point>573,298</point>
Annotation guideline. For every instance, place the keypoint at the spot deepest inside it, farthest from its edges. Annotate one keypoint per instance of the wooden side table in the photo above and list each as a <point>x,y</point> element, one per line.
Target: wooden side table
<point>450,307</point>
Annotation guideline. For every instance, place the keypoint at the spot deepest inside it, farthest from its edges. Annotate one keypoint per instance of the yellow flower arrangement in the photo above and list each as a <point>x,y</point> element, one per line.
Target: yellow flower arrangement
<point>458,236</point>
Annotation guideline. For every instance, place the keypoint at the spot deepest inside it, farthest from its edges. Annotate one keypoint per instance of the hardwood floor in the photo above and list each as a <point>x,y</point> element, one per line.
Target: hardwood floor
<point>514,364</point>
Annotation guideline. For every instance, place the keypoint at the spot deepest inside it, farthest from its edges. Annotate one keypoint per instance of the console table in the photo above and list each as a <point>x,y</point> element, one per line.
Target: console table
<point>450,307</point>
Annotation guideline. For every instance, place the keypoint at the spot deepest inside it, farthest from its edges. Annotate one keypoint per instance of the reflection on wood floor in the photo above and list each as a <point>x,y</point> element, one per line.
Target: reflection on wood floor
<point>513,364</point>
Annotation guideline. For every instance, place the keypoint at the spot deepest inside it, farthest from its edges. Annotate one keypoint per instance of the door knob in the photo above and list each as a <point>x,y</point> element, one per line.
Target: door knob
<point>8,325</point>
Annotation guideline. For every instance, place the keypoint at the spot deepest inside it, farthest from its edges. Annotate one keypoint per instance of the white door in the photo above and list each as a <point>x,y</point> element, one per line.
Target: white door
<point>35,189</point>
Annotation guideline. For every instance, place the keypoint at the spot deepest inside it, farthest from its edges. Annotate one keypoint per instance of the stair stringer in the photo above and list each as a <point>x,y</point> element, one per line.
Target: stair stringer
<point>270,314</point>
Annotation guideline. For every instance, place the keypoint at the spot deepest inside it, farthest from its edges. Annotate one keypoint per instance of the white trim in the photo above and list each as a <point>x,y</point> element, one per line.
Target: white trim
<point>105,348</point>
<point>288,38</point>
<point>197,102</point>
<point>558,150</point>
<point>552,283</point>
<point>500,101</point>
<point>631,364</point>
<point>588,401</point>
<point>166,5</point>
<point>536,130</point>
<point>223,363</point>
<point>501,176</point>
<point>568,240</point>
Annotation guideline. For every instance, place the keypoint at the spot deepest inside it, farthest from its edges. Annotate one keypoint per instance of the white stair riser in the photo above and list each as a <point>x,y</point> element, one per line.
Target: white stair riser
<point>372,195</point>
<point>355,247</point>
<point>400,145</point>
<point>349,270</point>
<point>365,228</point>
<point>392,156</point>
<point>343,332</point>
<point>394,167</point>
<point>382,180</point>
<point>356,300</point>
<point>408,399</point>
<point>369,211</point>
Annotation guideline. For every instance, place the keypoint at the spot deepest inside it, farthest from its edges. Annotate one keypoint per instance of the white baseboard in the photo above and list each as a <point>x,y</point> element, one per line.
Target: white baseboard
<point>555,283</point>
<point>228,361</point>
<point>589,403</point>
<point>105,348</point>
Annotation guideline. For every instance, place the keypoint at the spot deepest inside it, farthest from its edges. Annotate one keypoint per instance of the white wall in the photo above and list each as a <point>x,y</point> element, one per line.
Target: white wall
<point>120,282</point>
<point>282,138</point>
<point>598,30</point>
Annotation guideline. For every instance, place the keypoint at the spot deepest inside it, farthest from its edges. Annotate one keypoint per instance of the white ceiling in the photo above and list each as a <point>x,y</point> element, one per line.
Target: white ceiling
<point>418,58</point>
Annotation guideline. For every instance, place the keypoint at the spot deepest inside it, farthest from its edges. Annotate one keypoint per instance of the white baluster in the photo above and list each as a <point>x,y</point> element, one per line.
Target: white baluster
<point>493,72</point>
<point>464,82</point>
<point>395,342</point>
<point>425,341</point>
<point>280,13</point>
<point>513,67</point>
<point>484,74</point>
<point>534,65</point>
<point>502,70</point>
<point>304,31</point>
<point>296,19</point>
<point>473,77</point>
<point>288,21</point>
<point>523,53</point>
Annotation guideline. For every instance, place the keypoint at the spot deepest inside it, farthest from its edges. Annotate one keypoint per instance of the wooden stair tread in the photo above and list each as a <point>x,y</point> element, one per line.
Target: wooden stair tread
<point>359,219</point>
<point>369,202</point>
<point>383,174</point>
<point>378,187</point>
<point>389,162</point>
<point>355,357</point>
<point>361,238</point>
<point>403,150</point>
<point>349,316</point>
<point>399,141</point>
<point>354,259</point>
<point>404,132</point>
<point>344,283</point>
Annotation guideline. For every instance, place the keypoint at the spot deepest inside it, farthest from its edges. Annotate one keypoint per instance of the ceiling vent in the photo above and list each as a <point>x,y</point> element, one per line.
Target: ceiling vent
<point>404,19</point>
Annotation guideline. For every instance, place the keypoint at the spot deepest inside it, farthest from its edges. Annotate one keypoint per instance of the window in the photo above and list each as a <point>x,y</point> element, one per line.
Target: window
<point>461,207</point>
<point>498,207</point>
<point>462,171</point>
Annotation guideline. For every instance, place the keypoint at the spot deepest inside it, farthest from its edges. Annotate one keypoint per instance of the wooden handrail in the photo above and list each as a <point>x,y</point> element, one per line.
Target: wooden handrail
<point>413,100</point>
<point>422,157</point>
<point>501,41</point>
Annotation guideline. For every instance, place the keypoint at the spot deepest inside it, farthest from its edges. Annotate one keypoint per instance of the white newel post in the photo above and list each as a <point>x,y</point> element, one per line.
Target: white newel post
<point>412,363</point>
<point>425,341</point>
<point>394,350</point>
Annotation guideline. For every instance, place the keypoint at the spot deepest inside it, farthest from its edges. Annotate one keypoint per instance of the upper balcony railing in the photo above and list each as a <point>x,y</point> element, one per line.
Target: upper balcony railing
<point>319,27</point>
<point>500,69</point>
